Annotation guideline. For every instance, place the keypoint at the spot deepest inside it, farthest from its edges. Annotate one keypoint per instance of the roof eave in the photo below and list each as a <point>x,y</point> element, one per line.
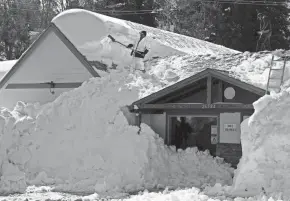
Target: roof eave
<point>172,88</point>
<point>40,38</point>
<point>24,56</point>
<point>194,78</point>
<point>74,50</point>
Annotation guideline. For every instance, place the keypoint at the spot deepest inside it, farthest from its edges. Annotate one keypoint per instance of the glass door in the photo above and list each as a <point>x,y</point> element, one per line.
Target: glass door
<point>193,131</point>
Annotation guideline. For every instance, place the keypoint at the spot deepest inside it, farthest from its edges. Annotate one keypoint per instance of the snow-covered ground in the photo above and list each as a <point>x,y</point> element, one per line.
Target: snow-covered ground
<point>189,194</point>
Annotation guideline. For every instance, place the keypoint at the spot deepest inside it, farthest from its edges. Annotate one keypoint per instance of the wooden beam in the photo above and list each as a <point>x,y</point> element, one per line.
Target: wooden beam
<point>47,85</point>
<point>196,106</point>
<point>209,90</point>
<point>220,91</point>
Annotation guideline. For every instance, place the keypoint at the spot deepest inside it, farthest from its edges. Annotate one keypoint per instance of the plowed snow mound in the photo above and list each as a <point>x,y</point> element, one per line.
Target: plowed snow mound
<point>81,142</point>
<point>265,165</point>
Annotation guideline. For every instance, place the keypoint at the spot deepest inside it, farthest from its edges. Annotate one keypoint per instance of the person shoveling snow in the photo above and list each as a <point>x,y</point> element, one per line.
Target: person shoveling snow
<point>139,50</point>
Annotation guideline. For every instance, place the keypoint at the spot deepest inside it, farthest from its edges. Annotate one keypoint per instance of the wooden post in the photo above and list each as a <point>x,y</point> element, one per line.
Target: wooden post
<point>139,121</point>
<point>220,91</point>
<point>208,90</point>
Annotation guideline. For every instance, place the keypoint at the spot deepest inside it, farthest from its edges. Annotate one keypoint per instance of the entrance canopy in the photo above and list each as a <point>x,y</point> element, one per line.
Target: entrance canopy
<point>208,89</point>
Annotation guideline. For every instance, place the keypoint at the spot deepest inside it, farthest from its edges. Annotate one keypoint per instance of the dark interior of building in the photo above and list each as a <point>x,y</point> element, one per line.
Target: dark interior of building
<point>193,131</point>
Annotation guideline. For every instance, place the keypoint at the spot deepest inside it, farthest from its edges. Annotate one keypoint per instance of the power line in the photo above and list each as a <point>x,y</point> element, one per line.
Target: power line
<point>155,11</point>
<point>136,12</point>
<point>245,2</point>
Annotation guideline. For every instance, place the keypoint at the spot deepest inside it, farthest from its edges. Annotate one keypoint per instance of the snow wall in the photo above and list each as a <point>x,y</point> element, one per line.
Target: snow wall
<point>82,143</point>
<point>265,167</point>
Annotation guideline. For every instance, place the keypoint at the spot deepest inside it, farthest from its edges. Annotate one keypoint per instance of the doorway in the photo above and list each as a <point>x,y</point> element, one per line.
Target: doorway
<point>193,131</point>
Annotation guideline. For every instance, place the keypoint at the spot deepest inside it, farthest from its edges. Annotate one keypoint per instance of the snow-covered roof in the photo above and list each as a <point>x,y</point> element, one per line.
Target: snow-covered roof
<point>5,66</point>
<point>84,28</point>
<point>251,68</point>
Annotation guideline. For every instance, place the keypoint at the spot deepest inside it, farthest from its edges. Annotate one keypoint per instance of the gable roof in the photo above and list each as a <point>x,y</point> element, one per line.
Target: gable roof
<point>194,78</point>
<point>38,41</point>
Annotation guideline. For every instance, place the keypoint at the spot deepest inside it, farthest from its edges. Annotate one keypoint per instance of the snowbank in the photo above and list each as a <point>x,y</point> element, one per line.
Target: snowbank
<point>265,165</point>
<point>190,194</point>
<point>82,142</point>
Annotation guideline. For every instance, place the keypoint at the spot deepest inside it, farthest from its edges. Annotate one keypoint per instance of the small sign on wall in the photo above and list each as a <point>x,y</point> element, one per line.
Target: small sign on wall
<point>230,127</point>
<point>214,133</point>
<point>214,139</point>
<point>213,130</point>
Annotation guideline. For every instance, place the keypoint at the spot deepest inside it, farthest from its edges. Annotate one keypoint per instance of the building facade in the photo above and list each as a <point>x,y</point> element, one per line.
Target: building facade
<point>204,111</point>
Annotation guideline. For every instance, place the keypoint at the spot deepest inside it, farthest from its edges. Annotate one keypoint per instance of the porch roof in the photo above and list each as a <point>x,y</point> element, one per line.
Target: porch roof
<point>219,74</point>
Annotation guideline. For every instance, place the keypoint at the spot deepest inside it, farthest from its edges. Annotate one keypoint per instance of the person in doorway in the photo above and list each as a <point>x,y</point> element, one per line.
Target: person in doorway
<point>183,131</point>
<point>265,33</point>
<point>139,51</point>
<point>178,137</point>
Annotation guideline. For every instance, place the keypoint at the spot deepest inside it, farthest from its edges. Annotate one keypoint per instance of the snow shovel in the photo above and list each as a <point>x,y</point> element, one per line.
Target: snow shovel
<point>114,40</point>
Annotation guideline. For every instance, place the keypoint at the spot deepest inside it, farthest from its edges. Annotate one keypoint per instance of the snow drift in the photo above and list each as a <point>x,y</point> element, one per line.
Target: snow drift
<point>82,142</point>
<point>265,165</point>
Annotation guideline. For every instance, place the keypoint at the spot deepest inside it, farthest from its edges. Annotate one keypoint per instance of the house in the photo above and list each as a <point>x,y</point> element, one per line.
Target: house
<point>214,99</point>
<point>50,66</point>
<point>57,61</point>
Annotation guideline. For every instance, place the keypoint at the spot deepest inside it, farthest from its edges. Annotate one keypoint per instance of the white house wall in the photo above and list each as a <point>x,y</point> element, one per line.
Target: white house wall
<point>50,61</point>
<point>157,122</point>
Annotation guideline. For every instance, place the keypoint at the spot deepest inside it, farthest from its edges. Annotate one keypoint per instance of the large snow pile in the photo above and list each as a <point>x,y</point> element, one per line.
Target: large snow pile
<point>265,165</point>
<point>88,31</point>
<point>5,66</point>
<point>82,142</point>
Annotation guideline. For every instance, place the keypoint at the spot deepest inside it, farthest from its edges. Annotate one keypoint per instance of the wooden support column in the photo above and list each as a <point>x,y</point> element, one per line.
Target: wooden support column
<point>220,91</point>
<point>209,90</point>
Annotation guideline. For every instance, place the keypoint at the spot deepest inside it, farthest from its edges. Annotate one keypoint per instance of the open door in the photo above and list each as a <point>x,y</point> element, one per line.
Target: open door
<point>195,131</point>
